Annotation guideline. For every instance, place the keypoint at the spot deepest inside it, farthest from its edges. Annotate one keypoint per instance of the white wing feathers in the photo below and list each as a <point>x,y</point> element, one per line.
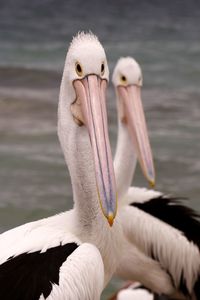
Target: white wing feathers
<point>81,276</point>
<point>164,243</point>
<point>139,195</point>
<point>36,236</point>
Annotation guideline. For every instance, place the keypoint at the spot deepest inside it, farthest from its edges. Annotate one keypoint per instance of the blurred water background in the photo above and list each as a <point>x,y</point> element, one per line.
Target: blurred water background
<point>164,36</point>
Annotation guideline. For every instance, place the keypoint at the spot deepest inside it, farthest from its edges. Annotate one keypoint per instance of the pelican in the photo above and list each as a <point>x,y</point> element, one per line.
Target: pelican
<point>162,228</point>
<point>72,255</point>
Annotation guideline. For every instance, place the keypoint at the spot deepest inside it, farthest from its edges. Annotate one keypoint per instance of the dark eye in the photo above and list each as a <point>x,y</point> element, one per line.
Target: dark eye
<point>123,79</point>
<point>102,68</point>
<point>79,70</point>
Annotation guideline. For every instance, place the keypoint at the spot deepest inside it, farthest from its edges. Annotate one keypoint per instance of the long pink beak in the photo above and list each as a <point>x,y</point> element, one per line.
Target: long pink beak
<point>135,119</point>
<point>91,92</point>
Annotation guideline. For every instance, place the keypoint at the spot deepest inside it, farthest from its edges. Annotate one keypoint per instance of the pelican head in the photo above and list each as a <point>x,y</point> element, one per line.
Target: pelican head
<point>127,79</point>
<point>86,74</point>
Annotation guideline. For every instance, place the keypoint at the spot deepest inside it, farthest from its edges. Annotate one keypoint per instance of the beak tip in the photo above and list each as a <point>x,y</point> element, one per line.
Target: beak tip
<point>110,219</point>
<point>152,183</point>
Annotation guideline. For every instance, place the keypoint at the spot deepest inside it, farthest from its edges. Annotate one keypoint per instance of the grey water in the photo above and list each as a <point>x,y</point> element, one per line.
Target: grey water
<point>164,36</point>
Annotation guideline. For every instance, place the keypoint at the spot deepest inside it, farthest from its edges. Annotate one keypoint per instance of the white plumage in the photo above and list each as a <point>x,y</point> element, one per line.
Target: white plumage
<point>130,294</point>
<point>135,291</point>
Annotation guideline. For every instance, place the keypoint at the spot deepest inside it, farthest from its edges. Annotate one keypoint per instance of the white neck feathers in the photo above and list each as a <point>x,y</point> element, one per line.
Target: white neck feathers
<point>125,160</point>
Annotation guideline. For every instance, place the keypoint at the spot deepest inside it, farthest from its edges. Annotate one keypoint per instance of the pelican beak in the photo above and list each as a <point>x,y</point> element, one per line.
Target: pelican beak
<point>91,94</point>
<point>133,116</point>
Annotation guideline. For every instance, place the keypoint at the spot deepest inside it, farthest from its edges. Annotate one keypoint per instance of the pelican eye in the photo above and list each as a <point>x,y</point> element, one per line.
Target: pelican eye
<point>79,69</point>
<point>123,79</point>
<point>102,68</point>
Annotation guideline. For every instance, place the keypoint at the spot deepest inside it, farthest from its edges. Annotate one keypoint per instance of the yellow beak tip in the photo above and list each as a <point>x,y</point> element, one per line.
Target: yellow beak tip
<point>152,183</point>
<point>110,219</point>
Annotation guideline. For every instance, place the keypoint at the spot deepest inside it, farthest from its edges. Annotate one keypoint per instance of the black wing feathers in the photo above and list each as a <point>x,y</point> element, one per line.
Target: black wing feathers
<point>174,213</point>
<point>28,275</point>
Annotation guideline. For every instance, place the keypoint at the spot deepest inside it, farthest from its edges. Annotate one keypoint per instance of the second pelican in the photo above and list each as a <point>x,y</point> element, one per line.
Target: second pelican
<point>162,228</point>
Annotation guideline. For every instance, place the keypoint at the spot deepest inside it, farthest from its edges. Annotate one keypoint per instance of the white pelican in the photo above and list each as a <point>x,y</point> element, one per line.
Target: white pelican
<point>72,255</point>
<point>175,247</point>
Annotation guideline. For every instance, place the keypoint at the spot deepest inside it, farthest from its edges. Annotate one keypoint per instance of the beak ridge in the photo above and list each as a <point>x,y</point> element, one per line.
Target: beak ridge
<point>136,123</point>
<point>91,90</point>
